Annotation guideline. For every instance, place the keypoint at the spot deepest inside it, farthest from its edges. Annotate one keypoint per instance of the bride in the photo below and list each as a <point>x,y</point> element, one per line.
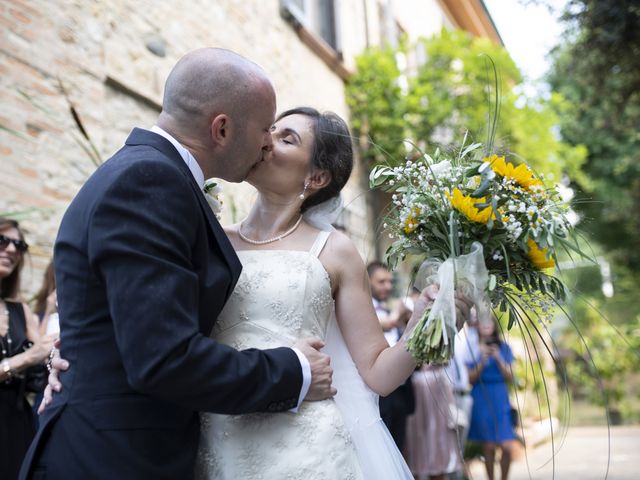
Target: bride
<point>301,278</point>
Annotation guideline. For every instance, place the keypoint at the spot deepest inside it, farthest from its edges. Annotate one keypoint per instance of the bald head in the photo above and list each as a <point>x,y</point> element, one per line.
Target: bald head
<point>209,81</point>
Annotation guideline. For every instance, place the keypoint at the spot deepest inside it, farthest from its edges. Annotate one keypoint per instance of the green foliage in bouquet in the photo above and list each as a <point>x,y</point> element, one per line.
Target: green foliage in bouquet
<point>444,203</point>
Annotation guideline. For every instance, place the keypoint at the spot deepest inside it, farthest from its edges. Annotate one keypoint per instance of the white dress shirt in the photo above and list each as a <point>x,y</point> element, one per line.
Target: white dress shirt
<point>393,334</point>
<point>469,344</point>
<point>457,369</point>
<point>196,171</point>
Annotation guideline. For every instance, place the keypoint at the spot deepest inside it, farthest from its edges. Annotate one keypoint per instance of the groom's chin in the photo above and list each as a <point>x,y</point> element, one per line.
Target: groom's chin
<point>254,168</point>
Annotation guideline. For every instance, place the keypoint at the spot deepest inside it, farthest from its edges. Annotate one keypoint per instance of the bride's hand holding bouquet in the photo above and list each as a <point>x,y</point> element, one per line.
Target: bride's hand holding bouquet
<point>424,303</point>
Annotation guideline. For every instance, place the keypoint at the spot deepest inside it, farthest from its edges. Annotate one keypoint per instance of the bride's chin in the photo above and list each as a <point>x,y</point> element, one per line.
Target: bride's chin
<point>253,179</point>
<point>257,173</point>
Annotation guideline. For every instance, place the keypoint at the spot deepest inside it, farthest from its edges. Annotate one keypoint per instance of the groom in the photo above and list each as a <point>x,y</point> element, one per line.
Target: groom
<point>143,269</point>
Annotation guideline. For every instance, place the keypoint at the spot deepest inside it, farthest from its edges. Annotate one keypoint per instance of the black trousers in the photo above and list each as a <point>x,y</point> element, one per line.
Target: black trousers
<point>394,410</point>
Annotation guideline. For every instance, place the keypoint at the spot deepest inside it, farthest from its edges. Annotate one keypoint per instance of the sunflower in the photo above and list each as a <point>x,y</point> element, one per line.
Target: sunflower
<point>522,174</point>
<point>412,222</point>
<point>539,256</point>
<point>466,206</point>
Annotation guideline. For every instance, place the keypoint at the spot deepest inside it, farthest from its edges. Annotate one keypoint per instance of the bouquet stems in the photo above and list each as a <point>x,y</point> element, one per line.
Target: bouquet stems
<point>427,341</point>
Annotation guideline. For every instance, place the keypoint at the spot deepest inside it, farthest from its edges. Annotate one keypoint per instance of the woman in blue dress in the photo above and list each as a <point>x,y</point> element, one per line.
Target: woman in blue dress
<point>490,373</point>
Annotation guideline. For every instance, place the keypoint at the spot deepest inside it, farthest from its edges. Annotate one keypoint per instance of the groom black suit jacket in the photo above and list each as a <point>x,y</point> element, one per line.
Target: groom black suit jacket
<point>143,269</point>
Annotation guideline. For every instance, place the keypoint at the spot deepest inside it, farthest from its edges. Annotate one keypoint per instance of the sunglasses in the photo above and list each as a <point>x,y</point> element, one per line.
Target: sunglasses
<point>21,245</point>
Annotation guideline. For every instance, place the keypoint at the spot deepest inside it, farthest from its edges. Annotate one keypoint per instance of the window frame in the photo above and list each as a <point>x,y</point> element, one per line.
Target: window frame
<point>301,21</point>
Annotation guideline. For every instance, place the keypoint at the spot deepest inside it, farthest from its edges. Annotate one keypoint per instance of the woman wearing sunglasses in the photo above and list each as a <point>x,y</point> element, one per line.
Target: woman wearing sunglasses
<point>18,332</point>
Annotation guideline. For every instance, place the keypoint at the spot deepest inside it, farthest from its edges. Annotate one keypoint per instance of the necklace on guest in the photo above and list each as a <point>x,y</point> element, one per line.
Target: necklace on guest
<point>272,239</point>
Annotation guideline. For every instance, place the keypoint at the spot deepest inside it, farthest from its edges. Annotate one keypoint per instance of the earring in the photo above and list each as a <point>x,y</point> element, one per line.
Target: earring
<point>306,185</point>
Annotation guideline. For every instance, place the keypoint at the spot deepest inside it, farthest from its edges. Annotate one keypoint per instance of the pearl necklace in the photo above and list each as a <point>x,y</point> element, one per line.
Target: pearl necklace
<point>269,240</point>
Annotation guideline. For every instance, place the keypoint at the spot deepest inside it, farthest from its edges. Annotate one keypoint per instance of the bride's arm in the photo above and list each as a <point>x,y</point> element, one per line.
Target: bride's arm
<point>383,368</point>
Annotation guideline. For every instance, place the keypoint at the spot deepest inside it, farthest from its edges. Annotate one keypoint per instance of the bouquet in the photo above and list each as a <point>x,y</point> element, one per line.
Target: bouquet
<point>484,224</point>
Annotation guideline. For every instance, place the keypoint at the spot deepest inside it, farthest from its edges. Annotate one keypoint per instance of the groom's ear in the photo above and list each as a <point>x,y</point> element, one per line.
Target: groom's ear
<point>319,179</point>
<point>220,129</point>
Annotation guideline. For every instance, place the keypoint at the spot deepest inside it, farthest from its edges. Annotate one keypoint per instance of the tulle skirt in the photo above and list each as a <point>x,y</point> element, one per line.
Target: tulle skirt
<point>377,452</point>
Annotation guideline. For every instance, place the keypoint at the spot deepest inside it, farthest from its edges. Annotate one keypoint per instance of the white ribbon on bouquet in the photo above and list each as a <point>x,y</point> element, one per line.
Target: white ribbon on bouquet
<point>469,273</point>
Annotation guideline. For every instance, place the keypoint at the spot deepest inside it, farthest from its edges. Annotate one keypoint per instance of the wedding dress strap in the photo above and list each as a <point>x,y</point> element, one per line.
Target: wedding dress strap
<point>319,244</point>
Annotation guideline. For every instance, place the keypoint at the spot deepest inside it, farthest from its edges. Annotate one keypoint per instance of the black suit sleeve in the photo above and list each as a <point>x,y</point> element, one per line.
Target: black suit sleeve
<point>141,239</point>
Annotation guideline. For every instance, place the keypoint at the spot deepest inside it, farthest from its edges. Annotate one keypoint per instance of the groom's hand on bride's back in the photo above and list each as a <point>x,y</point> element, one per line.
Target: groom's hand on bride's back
<point>321,371</point>
<point>55,364</point>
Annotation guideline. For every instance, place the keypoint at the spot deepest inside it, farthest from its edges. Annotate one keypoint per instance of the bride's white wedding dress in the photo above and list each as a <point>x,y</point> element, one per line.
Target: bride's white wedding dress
<point>283,295</point>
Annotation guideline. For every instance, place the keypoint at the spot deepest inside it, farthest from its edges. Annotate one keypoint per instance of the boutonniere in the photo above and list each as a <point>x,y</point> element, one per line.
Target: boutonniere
<point>213,192</point>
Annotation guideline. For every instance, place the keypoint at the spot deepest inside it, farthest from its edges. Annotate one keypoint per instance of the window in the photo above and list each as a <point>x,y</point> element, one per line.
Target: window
<point>326,23</point>
<point>317,16</point>
<point>391,32</point>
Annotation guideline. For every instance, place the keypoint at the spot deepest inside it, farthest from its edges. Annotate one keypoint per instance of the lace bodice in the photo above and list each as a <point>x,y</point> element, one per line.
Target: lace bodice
<point>280,296</point>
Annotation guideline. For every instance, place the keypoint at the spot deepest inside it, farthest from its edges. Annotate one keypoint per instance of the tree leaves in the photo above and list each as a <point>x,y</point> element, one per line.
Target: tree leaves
<point>597,70</point>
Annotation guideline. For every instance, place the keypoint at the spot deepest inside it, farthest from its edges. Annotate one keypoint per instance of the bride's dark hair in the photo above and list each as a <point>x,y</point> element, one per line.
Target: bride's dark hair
<point>332,151</point>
